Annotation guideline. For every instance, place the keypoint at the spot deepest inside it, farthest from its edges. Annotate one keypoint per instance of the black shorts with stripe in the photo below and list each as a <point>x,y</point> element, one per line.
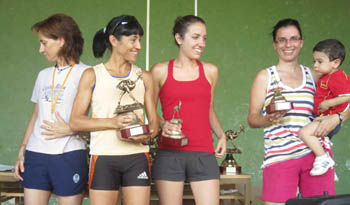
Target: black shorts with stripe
<point>111,172</point>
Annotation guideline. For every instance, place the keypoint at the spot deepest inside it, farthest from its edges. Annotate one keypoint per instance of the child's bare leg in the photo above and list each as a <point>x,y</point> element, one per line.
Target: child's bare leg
<point>322,161</point>
<point>307,135</point>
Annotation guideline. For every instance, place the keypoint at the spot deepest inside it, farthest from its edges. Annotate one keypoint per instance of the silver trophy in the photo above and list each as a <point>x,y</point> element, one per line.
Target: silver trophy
<point>177,138</point>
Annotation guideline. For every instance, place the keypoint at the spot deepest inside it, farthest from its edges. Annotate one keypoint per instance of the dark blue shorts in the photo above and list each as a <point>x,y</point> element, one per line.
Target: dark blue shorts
<point>62,174</point>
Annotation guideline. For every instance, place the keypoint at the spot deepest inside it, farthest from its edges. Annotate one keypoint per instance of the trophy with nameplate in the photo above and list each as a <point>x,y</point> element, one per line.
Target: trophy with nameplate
<point>177,138</point>
<point>137,127</point>
<point>229,165</point>
<point>278,101</point>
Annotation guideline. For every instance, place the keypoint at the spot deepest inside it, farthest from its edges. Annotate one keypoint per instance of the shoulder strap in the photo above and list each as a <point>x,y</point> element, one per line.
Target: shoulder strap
<point>201,69</point>
<point>272,77</point>
<point>170,69</point>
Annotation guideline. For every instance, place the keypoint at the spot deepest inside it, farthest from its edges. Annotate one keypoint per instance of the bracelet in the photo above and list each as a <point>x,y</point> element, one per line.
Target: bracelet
<point>341,118</point>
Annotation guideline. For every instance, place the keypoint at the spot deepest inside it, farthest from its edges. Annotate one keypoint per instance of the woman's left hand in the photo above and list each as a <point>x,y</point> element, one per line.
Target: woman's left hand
<point>326,125</point>
<point>141,138</point>
<point>56,129</point>
<point>220,150</point>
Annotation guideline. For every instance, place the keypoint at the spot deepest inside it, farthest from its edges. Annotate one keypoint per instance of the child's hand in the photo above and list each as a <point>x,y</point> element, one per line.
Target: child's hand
<point>323,106</point>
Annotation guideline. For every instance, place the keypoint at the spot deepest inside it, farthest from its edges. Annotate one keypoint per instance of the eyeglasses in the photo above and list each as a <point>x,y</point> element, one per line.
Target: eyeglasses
<point>292,40</point>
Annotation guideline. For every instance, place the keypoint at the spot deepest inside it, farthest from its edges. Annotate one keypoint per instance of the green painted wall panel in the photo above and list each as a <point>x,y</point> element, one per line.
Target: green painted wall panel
<point>239,43</point>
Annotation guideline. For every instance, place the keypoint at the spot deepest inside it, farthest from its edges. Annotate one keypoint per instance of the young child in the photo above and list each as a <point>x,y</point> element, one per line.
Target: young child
<point>331,97</point>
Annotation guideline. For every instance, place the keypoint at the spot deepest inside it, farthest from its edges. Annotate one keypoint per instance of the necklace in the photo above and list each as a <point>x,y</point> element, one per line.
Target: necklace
<point>62,68</point>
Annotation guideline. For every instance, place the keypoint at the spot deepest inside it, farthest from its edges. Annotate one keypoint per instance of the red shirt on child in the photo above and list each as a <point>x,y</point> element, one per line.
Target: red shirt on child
<point>330,86</point>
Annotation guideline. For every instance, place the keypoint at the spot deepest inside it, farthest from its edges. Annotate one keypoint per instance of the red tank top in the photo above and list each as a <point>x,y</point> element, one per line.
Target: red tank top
<point>195,104</point>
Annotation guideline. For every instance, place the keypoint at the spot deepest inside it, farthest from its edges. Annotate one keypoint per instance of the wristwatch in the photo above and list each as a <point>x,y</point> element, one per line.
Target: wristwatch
<point>341,117</point>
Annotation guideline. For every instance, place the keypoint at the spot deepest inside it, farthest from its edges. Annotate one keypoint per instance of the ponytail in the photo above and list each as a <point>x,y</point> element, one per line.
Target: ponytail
<point>99,45</point>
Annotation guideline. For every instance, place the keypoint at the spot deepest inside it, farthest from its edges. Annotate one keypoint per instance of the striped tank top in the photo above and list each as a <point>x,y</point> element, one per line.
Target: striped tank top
<point>281,140</point>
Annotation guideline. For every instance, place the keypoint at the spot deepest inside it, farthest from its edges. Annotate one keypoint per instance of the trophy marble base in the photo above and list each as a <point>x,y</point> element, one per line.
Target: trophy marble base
<point>176,142</point>
<point>230,170</point>
<point>279,106</point>
<point>133,130</point>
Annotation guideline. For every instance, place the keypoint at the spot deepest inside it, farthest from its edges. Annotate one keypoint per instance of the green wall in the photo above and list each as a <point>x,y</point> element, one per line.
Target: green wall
<point>239,43</point>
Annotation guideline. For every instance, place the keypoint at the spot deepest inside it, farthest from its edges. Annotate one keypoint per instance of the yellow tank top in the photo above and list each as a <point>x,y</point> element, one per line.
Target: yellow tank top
<point>105,99</point>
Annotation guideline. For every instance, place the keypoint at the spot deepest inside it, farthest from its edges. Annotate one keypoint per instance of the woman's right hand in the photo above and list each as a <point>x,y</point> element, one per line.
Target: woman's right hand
<point>125,119</point>
<point>168,128</point>
<point>56,129</point>
<point>276,116</point>
<point>19,167</point>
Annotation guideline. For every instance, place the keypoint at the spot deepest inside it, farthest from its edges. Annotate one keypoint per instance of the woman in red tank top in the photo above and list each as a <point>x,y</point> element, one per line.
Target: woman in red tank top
<point>192,83</point>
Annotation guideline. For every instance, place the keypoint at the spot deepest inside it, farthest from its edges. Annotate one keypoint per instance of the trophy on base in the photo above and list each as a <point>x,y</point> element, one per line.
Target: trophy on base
<point>278,101</point>
<point>229,164</point>
<point>177,138</point>
<point>136,127</point>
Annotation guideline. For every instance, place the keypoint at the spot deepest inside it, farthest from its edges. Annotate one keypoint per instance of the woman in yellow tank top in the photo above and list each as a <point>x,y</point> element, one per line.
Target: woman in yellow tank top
<point>116,164</point>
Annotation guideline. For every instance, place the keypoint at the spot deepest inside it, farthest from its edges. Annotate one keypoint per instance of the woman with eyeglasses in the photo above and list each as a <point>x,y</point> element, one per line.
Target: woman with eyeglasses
<point>116,165</point>
<point>52,157</point>
<point>188,84</point>
<point>287,160</point>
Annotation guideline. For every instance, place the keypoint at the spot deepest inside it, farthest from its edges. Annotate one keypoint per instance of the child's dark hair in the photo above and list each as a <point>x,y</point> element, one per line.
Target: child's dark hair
<point>182,23</point>
<point>119,26</point>
<point>63,26</point>
<point>286,23</point>
<point>333,48</point>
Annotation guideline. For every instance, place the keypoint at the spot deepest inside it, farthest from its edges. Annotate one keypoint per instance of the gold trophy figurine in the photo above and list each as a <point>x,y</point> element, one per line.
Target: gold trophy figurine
<point>137,127</point>
<point>278,101</point>
<point>177,138</point>
<point>229,164</point>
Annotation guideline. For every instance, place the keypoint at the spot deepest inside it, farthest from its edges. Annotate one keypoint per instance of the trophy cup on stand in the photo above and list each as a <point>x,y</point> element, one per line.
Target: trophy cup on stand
<point>136,127</point>
<point>177,138</point>
<point>278,101</point>
<point>229,164</point>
